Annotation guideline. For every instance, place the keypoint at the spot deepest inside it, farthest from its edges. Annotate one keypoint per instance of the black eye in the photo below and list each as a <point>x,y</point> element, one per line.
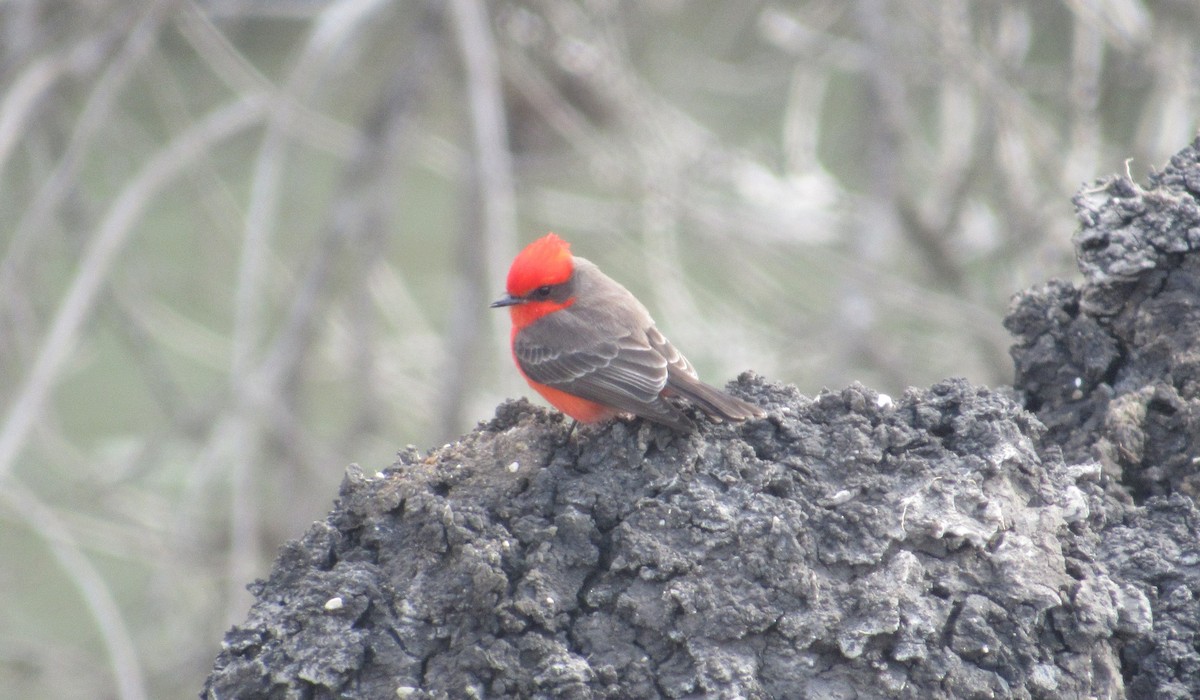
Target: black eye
<point>542,292</point>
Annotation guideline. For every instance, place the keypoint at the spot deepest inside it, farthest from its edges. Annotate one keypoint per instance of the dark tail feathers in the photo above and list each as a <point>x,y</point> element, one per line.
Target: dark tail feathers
<point>711,400</point>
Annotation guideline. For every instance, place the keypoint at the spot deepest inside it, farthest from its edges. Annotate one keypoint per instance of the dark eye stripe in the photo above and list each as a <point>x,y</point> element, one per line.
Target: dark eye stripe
<point>558,292</point>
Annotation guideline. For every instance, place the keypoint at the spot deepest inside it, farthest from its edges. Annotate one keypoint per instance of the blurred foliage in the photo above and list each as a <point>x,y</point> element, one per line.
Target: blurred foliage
<point>245,242</point>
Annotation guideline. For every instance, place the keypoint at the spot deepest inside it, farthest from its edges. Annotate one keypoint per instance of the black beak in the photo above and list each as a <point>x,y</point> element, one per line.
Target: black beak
<point>506,300</point>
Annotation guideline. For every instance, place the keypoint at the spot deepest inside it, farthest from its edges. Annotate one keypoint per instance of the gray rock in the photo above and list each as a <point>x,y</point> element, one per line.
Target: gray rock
<point>1112,367</point>
<point>841,546</point>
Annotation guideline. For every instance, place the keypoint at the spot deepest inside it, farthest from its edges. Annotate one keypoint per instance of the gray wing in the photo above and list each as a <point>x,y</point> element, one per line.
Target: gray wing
<point>625,373</point>
<point>673,357</point>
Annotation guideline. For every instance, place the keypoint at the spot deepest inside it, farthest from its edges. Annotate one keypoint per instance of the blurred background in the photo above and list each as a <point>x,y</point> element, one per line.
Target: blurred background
<point>244,243</point>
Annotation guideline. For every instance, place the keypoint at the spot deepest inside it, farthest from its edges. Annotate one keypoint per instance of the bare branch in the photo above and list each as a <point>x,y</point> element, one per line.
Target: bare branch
<point>140,41</point>
<point>122,653</point>
<point>102,250</point>
<point>488,238</point>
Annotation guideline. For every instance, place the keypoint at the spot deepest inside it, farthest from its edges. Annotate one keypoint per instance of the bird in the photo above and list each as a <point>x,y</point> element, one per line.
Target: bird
<point>591,349</point>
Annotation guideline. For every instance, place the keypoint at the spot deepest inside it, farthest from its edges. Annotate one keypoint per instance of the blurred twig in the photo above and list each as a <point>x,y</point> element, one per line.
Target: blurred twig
<point>489,233</point>
<point>110,622</point>
<point>102,249</point>
<point>240,75</point>
<point>118,71</point>
<point>255,393</point>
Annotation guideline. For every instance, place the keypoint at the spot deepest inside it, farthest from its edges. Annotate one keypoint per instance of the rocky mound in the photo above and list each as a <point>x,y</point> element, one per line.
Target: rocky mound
<point>1112,368</point>
<point>947,544</point>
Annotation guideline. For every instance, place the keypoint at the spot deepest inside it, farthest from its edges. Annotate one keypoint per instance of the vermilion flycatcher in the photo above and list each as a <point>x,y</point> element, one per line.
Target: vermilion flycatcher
<point>588,346</point>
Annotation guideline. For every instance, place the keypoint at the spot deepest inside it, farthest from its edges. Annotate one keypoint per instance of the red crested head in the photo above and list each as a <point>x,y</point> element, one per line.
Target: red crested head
<point>546,261</point>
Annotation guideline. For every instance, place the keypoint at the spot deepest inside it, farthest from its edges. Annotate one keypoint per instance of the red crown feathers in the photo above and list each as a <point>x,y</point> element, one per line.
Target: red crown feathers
<point>545,261</point>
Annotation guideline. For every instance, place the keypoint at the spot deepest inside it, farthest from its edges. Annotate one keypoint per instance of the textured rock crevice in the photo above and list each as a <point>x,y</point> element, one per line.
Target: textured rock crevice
<point>1112,368</point>
<point>948,544</point>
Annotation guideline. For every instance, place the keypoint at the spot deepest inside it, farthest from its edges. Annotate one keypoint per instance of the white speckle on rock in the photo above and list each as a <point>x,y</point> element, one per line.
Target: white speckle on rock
<point>1044,677</point>
<point>334,603</point>
<point>839,498</point>
<point>1074,505</point>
